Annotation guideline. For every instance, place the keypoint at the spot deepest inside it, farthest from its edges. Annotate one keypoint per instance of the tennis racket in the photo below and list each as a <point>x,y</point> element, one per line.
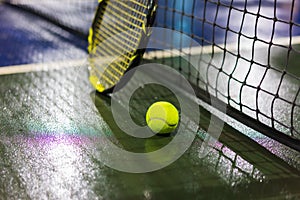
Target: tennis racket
<point>118,30</point>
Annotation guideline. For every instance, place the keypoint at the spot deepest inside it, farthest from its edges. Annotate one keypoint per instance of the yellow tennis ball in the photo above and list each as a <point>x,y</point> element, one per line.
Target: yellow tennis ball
<point>162,117</point>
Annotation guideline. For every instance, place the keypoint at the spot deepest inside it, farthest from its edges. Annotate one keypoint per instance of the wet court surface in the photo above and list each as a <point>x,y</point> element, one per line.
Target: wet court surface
<point>52,129</point>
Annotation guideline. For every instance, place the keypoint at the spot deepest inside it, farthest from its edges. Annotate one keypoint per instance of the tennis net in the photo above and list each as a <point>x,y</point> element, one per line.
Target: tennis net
<point>252,45</point>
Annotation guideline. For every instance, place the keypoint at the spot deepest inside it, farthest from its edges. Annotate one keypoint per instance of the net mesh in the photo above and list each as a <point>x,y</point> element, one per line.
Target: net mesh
<point>250,44</point>
<point>252,49</point>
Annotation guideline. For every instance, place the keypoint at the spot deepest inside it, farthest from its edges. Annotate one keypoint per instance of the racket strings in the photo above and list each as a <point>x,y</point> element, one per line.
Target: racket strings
<point>118,31</point>
<point>121,37</point>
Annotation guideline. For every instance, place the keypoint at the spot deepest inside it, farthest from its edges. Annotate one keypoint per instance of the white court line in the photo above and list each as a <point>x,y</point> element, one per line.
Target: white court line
<point>208,49</point>
<point>17,69</point>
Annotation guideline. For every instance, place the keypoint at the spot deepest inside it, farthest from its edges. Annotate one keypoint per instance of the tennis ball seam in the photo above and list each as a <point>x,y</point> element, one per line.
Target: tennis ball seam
<point>158,118</point>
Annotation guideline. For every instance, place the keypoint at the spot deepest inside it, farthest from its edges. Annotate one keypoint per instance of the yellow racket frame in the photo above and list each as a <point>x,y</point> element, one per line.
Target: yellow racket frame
<point>111,19</point>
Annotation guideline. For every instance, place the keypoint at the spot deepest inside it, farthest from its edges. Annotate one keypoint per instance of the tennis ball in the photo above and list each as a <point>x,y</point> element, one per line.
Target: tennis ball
<point>162,117</point>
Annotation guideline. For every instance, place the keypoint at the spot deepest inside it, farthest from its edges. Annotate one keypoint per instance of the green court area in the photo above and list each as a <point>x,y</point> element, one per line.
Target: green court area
<point>52,129</point>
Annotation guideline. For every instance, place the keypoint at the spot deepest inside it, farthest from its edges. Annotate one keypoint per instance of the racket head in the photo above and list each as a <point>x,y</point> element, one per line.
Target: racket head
<point>118,30</point>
